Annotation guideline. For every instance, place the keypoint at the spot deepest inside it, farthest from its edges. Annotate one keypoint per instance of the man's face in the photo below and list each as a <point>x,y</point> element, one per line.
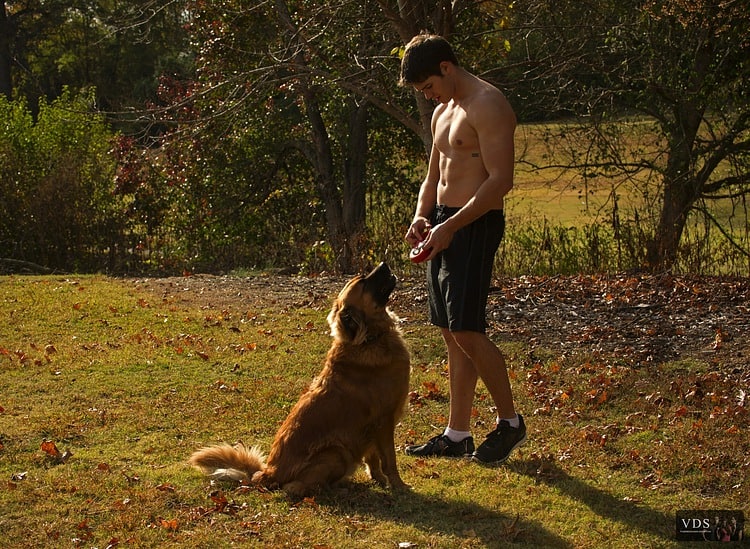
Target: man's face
<point>436,88</point>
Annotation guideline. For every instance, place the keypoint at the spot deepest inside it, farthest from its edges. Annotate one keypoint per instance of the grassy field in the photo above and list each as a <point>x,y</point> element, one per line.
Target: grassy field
<point>108,385</point>
<point>544,189</point>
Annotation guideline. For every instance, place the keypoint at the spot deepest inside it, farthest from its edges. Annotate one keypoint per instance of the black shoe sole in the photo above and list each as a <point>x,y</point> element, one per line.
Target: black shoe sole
<point>449,456</point>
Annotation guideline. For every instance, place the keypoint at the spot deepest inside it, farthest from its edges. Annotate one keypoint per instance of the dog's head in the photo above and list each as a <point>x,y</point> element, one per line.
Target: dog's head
<point>359,313</point>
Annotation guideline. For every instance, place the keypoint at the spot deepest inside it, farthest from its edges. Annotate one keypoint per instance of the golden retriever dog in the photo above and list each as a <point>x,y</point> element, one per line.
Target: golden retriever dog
<point>348,414</point>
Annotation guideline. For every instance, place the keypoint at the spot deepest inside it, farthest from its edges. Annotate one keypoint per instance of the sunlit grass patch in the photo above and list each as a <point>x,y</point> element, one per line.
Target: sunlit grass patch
<point>127,381</point>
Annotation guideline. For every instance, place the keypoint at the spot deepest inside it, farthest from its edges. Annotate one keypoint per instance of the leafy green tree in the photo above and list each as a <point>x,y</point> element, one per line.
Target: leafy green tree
<point>274,81</point>
<point>309,88</point>
<point>118,48</point>
<point>57,206</point>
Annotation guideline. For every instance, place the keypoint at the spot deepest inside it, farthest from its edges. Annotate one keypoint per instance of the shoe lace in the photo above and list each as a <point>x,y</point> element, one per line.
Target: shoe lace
<point>441,441</point>
<point>496,436</point>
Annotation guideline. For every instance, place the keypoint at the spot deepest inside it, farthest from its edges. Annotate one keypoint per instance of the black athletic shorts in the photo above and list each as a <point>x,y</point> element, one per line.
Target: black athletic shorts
<point>458,278</point>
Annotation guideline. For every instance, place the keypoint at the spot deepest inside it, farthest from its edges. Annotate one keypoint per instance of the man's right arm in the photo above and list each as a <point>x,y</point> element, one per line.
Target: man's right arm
<point>428,191</point>
<point>425,201</point>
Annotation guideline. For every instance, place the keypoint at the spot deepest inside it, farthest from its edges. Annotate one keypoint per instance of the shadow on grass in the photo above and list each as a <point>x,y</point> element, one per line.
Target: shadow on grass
<point>461,519</point>
<point>444,517</point>
<point>632,515</point>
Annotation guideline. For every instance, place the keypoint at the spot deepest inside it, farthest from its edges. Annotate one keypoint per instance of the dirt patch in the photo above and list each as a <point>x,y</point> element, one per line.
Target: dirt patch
<point>638,319</point>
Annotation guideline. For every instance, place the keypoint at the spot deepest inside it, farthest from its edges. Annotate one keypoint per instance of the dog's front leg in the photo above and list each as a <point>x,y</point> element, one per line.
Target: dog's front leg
<point>372,460</point>
<point>386,450</point>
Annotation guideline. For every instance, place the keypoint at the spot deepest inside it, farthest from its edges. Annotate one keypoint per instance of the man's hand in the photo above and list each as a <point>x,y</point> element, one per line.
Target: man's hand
<point>439,238</point>
<point>418,231</point>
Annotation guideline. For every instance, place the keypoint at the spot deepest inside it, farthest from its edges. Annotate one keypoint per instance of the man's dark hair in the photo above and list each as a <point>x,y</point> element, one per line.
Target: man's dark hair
<point>422,58</point>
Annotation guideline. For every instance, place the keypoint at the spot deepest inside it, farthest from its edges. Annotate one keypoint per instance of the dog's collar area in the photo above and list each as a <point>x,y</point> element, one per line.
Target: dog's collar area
<point>372,338</point>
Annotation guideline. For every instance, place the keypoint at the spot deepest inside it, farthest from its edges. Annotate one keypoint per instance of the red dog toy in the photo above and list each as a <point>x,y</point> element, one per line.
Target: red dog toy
<point>421,252</point>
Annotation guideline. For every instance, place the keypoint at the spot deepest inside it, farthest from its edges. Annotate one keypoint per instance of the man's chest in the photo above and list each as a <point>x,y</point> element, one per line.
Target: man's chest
<point>453,132</point>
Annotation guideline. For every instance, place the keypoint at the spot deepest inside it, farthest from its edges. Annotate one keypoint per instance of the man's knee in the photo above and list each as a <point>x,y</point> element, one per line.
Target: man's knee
<point>447,336</point>
<point>468,341</point>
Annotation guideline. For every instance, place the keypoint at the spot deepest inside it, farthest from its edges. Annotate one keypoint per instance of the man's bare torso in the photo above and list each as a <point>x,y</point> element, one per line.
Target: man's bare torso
<point>462,169</point>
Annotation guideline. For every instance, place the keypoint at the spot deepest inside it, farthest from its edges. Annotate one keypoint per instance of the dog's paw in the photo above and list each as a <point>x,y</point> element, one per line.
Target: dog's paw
<point>400,486</point>
<point>379,478</point>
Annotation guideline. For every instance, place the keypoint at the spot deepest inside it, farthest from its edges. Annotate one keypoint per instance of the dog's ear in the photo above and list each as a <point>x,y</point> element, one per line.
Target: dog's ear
<point>353,325</point>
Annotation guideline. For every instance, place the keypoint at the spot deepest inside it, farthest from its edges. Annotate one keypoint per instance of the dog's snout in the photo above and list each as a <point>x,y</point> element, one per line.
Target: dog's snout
<point>381,269</point>
<point>381,282</point>
<point>381,275</point>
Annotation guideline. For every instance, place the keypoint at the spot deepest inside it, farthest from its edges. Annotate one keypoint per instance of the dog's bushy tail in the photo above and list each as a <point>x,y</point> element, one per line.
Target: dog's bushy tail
<point>225,462</point>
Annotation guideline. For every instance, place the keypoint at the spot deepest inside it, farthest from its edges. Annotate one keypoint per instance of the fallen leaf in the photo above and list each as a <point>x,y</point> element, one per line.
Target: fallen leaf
<point>50,448</point>
<point>169,524</point>
<point>220,500</point>
<point>433,392</point>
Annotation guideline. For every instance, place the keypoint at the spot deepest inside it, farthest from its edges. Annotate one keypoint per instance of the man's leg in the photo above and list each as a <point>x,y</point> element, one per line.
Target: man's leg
<point>456,440</point>
<point>463,382</point>
<point>488,363</point>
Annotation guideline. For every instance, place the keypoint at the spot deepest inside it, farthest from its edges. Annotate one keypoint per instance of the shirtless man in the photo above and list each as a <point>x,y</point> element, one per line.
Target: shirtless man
<point>460,216</point>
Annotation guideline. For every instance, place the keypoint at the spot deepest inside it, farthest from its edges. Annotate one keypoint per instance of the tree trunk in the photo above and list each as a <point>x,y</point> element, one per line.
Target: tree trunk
<point>6,81</point>
<point>326,180</point>
<point>355,189</point>
<point>344,204</point>
<point>661,251</point>
<point>681,188</point>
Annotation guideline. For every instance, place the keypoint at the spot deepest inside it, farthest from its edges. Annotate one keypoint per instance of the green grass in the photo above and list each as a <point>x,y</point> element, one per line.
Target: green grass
<point>545,190</point>
<point>131,382</point>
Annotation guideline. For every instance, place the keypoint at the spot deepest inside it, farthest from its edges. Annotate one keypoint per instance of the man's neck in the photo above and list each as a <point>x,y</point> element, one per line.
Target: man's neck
<point>464,84</point>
